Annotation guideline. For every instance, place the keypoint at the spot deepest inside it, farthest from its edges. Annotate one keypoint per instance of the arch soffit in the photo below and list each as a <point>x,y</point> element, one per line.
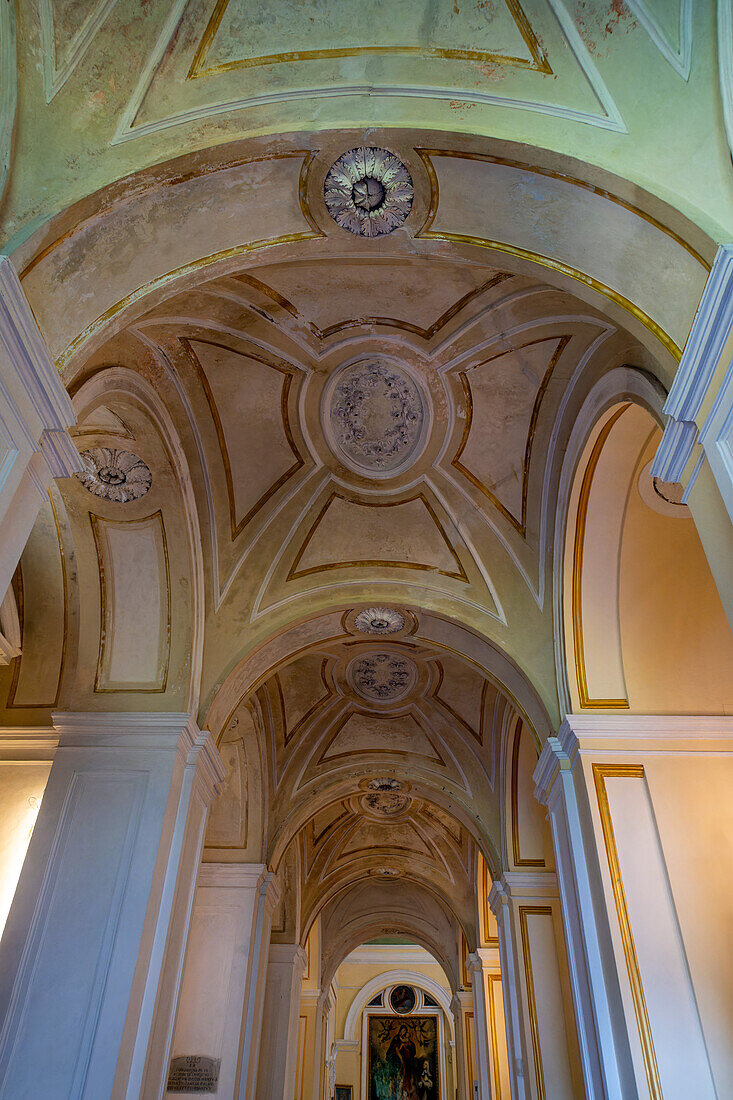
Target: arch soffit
<point>72,332</point>
<point>616,386</point>
<point>383,981</point>
<point>104,385</point>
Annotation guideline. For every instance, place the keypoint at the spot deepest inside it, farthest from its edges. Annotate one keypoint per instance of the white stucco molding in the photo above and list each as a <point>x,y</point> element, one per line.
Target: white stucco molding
<point>35,409</point>
<point>636,734</point>
<point>384,981</point>
<point>700,402</point>
<point>27,744</point>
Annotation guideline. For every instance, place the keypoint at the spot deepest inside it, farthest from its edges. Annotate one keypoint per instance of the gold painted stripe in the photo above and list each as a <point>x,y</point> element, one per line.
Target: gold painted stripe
<point>601,772</point>
<point>519,861</point>
<point>524,912</point>
<point>493,980</point>
<point>575,181</point>
<point>538,62</point>
<point>577,582</point>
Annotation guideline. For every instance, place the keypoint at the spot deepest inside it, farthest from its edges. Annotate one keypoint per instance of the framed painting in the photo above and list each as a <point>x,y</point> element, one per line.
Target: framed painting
<point>344,1092</point>
<point>403,1058</point>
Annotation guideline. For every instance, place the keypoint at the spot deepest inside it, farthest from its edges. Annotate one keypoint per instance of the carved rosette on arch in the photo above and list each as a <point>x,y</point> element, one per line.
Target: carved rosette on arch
<point>368,191</point>
<point>111,474</point>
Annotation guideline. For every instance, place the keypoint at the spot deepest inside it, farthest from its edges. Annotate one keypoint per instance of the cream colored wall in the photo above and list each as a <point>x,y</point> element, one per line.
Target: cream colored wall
<point>21,790</point>
<point>669,819</point>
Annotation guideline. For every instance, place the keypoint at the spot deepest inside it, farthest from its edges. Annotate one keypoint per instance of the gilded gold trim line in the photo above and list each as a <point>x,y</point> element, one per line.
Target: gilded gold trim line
<point>237,526</point>
<point>519,861</point>
<point>524,912</point>
<point>493,979</point>
<point>538,62</point>
<point>520,525</point>
<point>601,772</point>
<point>577,583</point>
<point>96,522</point>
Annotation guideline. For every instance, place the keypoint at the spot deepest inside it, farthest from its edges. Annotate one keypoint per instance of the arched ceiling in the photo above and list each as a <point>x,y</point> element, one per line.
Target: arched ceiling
<point>107,87</point>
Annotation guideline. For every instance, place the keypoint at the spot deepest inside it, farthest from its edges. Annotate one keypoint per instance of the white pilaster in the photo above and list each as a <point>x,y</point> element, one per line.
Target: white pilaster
<point>478,964</point>
<point>268,896</point>
<point>211,1002</point>
<point>95,936</point>
<point>510,973</point>
<point>461,1004</point>
<point>279,1045</point>
<point>638,805</point>
<point>700,401</point>
<point>35,415</point>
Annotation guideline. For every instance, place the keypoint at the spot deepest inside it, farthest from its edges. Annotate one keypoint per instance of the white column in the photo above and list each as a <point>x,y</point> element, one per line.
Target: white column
<point>268,896</point>
<point>279,1045</point>
<point>650,798</point>
<point>477,965</point>
<point>461,1004</point>
<point>96,932</point>
<point>510,976</point>
<point>35,415</point>
<point>604,1049</point>
<point>211,1004</point>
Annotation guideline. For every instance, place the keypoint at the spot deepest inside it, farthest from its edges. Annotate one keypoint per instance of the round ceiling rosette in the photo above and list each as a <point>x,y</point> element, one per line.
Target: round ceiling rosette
<point>120,476</point>
<point>368,191</point>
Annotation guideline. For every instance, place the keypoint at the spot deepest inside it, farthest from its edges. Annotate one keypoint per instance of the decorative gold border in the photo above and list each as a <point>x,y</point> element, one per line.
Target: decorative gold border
<point>11,704</point>
<point>485,884</point>
<point>494,979</point>
<point>294,573</point>
<point>601,772</point>
<point>427,233</point>
<point>577,585</point>
<point>304,1045</point>
<point>524,912</point>
<point>236,527</point>
<point>203,261</point>
<point>519,524</point>
<point>96,524</point>
<point>519,861</point>
<point>539,62</point>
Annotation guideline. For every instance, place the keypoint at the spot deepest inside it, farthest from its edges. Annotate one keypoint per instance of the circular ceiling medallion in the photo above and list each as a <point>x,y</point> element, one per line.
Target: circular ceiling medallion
<point>384,783</point>
<point>114,475</point>
<point>381,677</point>
<point>368,191</point>
<point>374,417</point>
<point>379,620</point>
<point>386,872</point>
<point>385,803</point>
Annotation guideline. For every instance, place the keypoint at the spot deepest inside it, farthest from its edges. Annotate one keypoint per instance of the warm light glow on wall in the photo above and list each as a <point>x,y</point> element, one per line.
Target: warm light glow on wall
<point>18,822</point>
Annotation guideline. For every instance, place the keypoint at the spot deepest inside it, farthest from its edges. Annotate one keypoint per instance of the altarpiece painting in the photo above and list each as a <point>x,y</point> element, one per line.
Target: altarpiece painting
<point>403,1058</point>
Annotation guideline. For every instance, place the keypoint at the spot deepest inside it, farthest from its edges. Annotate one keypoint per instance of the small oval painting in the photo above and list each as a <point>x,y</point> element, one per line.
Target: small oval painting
<point>402,999</point>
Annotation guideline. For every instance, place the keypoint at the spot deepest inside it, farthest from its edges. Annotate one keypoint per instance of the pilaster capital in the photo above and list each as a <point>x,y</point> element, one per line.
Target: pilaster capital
<point>27,744</point>
<point>461,1000</point>
<point>498,897</point>
<point>290,955</point>
<point>234,876</point>
<point>269,889</point>
<point>530,885</point>
<point>482,959</point>
<point>554,758</point>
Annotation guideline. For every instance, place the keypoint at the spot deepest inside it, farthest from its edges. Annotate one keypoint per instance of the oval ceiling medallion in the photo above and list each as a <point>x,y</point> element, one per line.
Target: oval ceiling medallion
<point>385,803</point>
<point>368,191</point>
<point>379,620</point>
<point>375,418</point>
<point>381,677</point>
<point>114,475</point>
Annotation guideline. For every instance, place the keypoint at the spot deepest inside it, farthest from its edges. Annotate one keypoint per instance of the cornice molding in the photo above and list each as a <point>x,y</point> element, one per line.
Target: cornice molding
<point>233,876</point>
<point>656,734</point>
<point>711,328</point>
<point>27,744</point>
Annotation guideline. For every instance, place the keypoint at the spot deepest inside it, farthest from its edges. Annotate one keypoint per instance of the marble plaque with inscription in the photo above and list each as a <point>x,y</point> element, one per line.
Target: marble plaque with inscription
<point>193,1073</point>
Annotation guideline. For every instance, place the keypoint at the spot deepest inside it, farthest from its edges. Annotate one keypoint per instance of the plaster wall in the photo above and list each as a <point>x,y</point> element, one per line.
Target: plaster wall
<point>667,815</point>
<point>21,790</point>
